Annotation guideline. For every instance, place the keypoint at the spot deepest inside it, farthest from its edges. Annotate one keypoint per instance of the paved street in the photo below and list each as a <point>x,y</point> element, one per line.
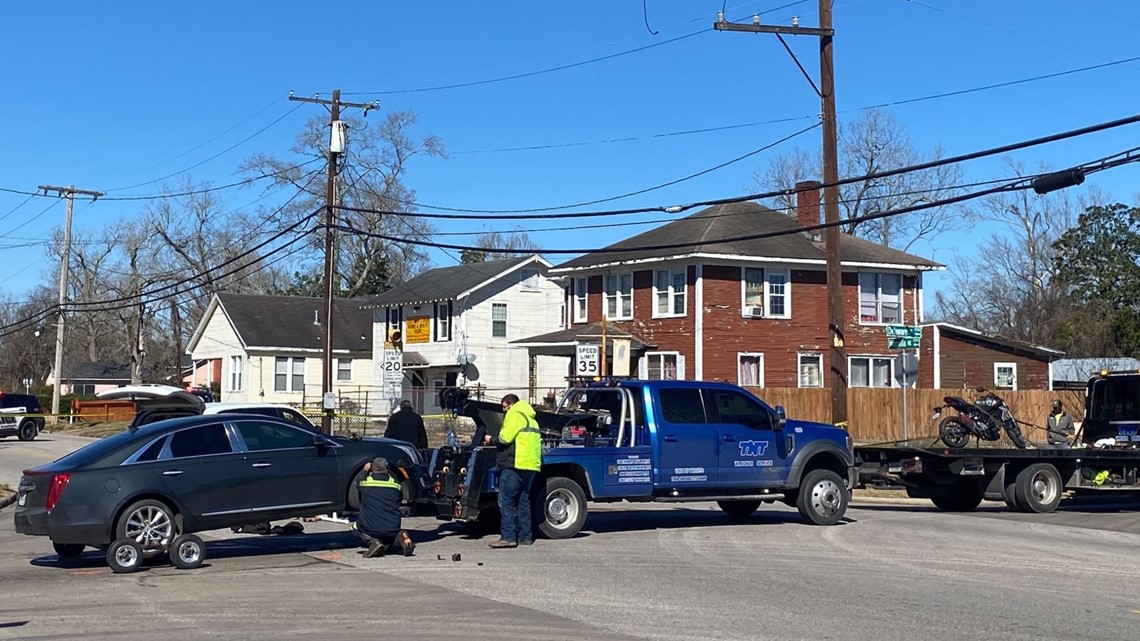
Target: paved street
<point>17,455</point>
<point>892,572</point>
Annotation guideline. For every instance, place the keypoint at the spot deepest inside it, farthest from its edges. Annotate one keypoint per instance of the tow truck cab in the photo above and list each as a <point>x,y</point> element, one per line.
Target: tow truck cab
<point>664,441</point>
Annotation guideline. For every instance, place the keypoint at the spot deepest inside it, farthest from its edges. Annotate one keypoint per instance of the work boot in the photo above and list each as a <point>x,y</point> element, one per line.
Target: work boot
<point>406,542</point>
<point>527,542</point>
<point>502,544</point>
<point>375,549</point>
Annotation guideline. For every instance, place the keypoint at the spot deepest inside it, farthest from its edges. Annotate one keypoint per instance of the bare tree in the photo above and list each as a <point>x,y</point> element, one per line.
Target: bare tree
<point>874,143</point>
<point>518,242</point>
<point>370,176</point>
<point>27,349</point>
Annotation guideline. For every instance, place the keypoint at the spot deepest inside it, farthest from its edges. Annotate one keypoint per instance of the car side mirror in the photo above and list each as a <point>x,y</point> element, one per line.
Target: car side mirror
<point>320,442</point>
<point>781,417</point>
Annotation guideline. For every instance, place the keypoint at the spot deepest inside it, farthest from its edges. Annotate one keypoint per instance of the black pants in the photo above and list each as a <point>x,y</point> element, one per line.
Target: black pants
<point>387,540</point>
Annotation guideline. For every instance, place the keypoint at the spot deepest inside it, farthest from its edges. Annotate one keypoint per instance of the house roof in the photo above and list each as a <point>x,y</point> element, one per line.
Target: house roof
<point>571,335</point>
<point>98,371</point>
<point>1082,369</point>
<point>288,321</point>
<point>1043,353</point>
<point>445,283</point>
<point>736,220</point>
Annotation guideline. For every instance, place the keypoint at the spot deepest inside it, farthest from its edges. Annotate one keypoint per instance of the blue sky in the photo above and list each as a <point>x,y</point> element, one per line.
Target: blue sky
<point>107,96</point>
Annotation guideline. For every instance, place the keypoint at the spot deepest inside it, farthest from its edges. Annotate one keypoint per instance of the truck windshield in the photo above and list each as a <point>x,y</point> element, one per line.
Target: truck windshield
<point>1116,398</point>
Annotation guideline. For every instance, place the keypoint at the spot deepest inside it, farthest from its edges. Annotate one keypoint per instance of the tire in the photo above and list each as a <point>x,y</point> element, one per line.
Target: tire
<point>69,550</point>
<point>953,433</point>
<point>1009,494</point>
<point>124,556</point>
<point>739,509</point>
<point>964,497</point>
<point>1038,488</point>
<point>149,523</point>
<point>822,497</point>
<point>563,508</point>
<point>27,430</point>
<point>1015,436</point>
<point>187,552</point>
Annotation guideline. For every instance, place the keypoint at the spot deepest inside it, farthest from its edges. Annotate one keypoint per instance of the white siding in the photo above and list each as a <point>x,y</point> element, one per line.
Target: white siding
<point>220,341</point>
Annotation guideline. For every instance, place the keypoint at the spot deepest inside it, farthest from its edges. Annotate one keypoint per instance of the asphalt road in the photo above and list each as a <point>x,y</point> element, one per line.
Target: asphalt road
<point>891,572</point>
<point>17,456</point>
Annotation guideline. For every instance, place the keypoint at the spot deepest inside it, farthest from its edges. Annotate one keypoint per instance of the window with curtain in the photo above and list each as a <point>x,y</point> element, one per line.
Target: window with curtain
<point>619,296</point>
<point>751,369</point>
<point>880,298</point>
<point>871,371</point>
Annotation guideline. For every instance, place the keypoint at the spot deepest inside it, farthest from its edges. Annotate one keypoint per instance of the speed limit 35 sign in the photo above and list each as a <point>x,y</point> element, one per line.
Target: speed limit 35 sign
<point>586,363</point>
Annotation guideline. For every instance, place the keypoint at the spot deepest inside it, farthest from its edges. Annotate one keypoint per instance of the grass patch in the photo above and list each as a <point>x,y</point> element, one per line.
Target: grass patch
<point>94,430</point>
<point>876,493</point>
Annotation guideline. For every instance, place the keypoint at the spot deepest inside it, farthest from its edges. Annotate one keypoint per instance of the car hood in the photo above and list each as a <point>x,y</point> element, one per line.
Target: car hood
<point>155,396</point>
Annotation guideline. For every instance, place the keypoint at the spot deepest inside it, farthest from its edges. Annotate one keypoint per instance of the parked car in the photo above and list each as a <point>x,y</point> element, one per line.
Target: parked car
<point>14,421</point>
<point>152,483</point>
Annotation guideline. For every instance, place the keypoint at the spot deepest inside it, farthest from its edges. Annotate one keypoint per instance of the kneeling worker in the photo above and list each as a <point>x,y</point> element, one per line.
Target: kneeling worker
<point>379,522</point>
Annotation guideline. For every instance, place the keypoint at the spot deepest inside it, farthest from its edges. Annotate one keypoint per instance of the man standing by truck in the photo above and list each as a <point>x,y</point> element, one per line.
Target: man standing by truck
<point>519,460</point>
<point>1060,426</point>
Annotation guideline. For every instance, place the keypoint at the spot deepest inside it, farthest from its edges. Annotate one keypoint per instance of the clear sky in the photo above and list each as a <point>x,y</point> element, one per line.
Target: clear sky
<point>107,96</point>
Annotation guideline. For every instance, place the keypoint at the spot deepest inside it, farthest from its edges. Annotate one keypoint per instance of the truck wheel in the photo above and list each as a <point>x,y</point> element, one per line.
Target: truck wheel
<point>963,498</point>
<point>953,433</point>
<point>27,430</point>
<point>564,508</point>
<point>1038,488</point>
<point>1009,492</point>
<point>187,552</point>
<point>124,556</point>
<point>822,497</point>
<point>739,509</point>
<point>69,550</point>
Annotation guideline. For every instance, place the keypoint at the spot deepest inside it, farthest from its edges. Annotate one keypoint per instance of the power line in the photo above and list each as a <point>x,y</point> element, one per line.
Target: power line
<point>205,190</point>
<point>34,218</point>
<point>17,207</point>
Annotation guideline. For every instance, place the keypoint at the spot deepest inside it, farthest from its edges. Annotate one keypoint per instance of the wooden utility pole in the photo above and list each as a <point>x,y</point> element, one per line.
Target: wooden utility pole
<point>337,144</point>
<point>831,235</point>
<point>64,267</point>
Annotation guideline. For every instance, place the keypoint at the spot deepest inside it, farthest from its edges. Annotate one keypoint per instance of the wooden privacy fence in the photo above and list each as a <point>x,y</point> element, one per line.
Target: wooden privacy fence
<point>875,415</point>
<point>102,410</point>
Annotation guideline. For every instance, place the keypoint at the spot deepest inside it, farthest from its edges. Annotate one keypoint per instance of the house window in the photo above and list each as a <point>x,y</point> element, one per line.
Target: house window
<point>766,293</point>
<point>811,370</point>
<point>880,298</point>
<point>619,296</point>
<point>750,368</point>
<point>443,322</point>
<point>663,366</point>
<point>236,371</point>
<point>581,289</point>
<point>498,320</point>
<point>344,369</point>
<point>289,374</point>
<point>528,277</point>
<point>1005,375</point>
<point>669,292</point>
<point>83,389</point>
<point>871,371</point>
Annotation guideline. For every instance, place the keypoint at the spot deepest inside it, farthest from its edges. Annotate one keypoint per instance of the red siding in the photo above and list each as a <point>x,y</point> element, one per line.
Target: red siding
<point>968,364</point>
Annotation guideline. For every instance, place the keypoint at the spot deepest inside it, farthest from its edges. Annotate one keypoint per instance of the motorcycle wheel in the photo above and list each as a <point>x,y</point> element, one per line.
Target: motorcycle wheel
<point>1015,435</point>
<point>953,433</point>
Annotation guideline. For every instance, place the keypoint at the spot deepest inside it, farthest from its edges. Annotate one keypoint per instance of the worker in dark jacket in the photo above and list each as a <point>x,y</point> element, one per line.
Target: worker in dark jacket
<point>519,460</point>
<point>1059,426</point>
<point>406,425</point>
<point>379,522</point>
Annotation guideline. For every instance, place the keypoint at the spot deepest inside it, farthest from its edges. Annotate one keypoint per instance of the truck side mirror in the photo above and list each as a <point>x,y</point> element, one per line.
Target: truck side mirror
<point>781,417</point>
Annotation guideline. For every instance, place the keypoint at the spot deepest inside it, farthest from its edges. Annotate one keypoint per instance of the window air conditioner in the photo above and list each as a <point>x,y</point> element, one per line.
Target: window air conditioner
<point>754,312</point>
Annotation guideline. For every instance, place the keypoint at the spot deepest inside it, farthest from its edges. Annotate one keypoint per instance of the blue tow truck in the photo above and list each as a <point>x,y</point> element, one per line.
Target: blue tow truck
<point>652,441</point>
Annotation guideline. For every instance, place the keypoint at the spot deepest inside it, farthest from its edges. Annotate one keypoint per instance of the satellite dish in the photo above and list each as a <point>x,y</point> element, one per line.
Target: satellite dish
<point>466,359</point>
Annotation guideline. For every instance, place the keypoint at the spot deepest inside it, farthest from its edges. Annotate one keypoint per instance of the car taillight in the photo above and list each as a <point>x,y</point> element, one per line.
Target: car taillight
<point>460,489</point>
<point>438,487</point>
<point>55,490</point>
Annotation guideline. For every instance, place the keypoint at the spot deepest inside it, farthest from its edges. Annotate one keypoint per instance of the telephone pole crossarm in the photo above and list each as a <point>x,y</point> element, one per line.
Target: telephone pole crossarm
<point>768,28</point>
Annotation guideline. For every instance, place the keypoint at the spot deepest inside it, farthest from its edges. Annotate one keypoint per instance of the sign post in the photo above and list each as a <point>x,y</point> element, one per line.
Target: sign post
<point>904,337</point>
<point>586,359</point>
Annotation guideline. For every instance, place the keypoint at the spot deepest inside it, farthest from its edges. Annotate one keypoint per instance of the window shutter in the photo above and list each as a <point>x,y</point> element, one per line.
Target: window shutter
<point>450,320</point>
<point>680,367</point>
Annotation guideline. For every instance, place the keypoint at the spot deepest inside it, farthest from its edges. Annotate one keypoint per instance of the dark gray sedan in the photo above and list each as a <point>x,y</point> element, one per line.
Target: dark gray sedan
<point>151,484</point>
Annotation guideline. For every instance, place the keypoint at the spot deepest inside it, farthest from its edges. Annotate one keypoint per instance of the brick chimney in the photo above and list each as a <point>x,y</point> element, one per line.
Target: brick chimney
<point>807,204</point>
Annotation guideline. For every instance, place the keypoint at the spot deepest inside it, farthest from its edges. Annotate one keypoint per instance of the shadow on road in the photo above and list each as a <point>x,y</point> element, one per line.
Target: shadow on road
<point>640,520</point>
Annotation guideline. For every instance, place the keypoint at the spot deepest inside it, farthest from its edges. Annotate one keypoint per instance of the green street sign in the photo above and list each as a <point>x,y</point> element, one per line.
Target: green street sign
<point>904,331</point>
<point>902,343</point>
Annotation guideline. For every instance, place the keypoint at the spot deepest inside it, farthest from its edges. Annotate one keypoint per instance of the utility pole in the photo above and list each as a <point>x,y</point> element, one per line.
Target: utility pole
<point>831,235</point>
<point>69,193</point>
<point>337,143</point>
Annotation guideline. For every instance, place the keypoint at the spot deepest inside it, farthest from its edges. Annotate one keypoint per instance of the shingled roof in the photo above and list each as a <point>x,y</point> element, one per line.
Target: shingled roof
<point>445,283</point>
<point>287,321</point>
<point>709,227</point>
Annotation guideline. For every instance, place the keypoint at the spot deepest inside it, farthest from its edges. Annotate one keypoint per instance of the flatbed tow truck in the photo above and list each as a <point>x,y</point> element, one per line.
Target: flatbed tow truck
<point>1104,460</point>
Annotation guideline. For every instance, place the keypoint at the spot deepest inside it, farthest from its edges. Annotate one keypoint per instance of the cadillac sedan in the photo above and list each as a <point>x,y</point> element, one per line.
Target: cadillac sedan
<point>152,483</point>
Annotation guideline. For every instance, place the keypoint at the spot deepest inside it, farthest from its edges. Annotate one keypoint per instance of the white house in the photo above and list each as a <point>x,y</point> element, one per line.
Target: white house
<point>470,314</point>
<point>270,348</point>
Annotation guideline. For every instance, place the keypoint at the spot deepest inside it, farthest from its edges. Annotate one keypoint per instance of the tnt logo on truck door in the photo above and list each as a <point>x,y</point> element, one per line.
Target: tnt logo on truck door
<point>753,448</point>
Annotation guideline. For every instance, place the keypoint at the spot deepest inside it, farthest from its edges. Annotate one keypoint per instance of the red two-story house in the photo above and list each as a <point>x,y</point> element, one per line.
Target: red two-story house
<point>751,311</point>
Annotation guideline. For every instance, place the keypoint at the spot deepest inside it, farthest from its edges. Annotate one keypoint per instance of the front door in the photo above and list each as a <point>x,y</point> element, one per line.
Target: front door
<point>752,453</point>
<point>686,443</point>
<point>287,472</point>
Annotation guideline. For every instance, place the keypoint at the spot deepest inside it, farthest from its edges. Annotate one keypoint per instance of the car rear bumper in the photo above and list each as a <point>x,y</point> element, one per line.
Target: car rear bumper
<point>39,522</point>
<point>33,522</point>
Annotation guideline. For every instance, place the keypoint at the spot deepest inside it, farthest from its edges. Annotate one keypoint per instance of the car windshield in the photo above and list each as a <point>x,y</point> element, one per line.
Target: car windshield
<point>1115,399</point>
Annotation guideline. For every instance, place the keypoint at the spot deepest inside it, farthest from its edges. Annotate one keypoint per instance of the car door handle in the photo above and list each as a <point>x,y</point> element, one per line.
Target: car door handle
<point>669,438</point>
<point>728,438</point>
<point>172,473</point>
<point>262,464</point>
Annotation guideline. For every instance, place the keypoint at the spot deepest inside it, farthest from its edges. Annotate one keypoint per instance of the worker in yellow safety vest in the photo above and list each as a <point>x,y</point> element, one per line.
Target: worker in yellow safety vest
<point>379,521</point>
<point>519,460</point>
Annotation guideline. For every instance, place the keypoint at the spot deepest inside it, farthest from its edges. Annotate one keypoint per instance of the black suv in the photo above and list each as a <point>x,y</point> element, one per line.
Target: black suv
<point>14,419</point>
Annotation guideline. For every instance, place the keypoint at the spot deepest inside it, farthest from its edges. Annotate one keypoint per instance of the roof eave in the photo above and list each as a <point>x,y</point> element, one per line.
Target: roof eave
<point>749,259</point>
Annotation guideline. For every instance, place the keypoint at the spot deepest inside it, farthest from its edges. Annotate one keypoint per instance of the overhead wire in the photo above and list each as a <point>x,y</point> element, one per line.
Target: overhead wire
<point>17,207</point>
